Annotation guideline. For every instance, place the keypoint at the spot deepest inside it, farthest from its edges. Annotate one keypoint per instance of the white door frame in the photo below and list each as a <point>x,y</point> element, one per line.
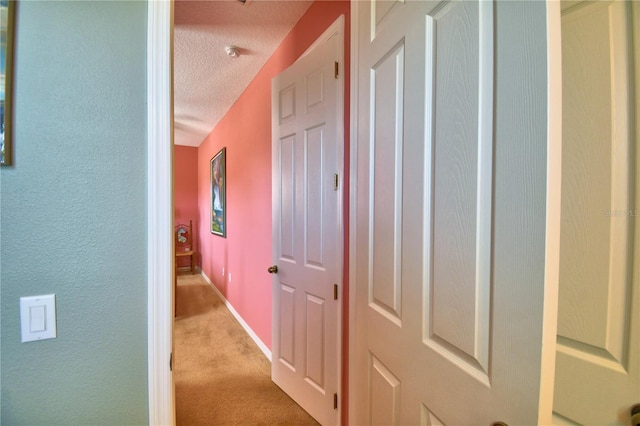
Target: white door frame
<point>160,211</point>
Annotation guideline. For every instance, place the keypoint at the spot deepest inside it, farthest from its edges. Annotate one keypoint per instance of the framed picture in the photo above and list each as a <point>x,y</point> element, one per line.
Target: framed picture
<point>219,194</point>
<point>7,20</point>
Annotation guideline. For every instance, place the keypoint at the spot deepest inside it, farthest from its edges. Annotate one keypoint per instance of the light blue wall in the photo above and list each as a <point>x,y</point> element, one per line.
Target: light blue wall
<point>73,218</point>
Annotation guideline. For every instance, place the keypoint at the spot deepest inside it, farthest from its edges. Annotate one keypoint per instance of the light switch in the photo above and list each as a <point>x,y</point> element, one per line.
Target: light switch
<point>36,320</point>
<point>38,317</point>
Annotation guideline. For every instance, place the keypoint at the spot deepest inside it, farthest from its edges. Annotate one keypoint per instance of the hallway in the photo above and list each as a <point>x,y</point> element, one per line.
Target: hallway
<point>221,377</point>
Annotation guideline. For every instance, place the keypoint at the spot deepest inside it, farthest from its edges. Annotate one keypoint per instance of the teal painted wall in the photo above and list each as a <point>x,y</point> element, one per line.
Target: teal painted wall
<point>73,215</point>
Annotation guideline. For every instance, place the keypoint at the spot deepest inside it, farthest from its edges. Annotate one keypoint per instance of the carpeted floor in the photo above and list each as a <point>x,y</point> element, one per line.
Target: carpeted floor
<point>221,376</point>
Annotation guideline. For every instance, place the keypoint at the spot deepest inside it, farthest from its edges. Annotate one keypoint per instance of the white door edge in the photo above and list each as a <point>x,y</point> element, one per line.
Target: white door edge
<point>552,230</point>
<point>159,212</point>
<point>353,187</point>
<point>338,28</point>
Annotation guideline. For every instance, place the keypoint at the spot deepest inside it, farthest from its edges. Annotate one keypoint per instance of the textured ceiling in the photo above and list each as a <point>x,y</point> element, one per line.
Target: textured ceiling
<point>206,80</point>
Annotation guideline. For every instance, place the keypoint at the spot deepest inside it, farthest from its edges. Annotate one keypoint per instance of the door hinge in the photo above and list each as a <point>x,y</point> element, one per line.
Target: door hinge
<point>335,182</point>
<point>171,361</point>
<point>335,70</point>
<point>335,292</point>
<point>335,401</point>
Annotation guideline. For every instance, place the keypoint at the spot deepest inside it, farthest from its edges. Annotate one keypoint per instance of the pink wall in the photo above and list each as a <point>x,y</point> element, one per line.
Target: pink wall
<point>185,189</point>
<point>246,133</point>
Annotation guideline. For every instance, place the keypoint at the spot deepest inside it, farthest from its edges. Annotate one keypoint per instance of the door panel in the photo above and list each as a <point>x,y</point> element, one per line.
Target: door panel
<point>385,211</point>
<point>287,208</point>
<point>458,310</point>
<point>306,318</point>
<point>385,394</point>
<point>598,364</point>
<point>449,218</point>
<point>315,337</point>
<point>315,182</point>
<point>287,320</point>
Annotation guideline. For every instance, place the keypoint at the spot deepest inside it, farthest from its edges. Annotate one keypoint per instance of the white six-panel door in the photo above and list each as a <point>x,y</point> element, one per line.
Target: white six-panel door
<point>449,213</point>
<point>306,230</point>
<point>598,352</point>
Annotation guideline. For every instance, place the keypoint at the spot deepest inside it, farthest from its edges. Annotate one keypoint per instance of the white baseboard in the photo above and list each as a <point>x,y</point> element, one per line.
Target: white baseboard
<point>265,350</point>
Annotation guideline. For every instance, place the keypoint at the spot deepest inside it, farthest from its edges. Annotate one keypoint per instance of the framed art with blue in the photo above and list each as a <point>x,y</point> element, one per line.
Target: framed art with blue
<point>218,194</point>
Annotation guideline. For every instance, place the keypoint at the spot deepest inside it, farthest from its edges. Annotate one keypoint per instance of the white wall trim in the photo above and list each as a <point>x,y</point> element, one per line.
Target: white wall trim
<point>265,350</point>
<point>159,211</point>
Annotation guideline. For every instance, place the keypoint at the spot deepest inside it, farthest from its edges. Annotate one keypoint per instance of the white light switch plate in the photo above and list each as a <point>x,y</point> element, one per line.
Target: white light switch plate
<point>38,317</point>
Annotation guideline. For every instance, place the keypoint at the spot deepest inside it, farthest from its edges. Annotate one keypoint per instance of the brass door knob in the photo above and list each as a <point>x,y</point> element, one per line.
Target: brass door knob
<point>273,269</point>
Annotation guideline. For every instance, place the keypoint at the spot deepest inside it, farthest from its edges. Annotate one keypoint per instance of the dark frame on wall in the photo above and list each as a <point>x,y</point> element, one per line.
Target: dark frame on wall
<point>7,16</point>
<point>218,194</point>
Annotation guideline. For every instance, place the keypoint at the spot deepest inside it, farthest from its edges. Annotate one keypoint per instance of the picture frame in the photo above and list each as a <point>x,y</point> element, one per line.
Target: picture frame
<point>219,193</point>
<point>7,28</point>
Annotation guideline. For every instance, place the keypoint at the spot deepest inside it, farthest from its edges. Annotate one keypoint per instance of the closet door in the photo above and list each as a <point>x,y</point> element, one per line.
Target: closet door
<point>598,355</point>
<point>449,231</point>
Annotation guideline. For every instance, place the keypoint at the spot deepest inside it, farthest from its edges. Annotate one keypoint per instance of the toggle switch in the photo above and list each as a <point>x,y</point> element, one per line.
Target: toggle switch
<point>38,317</point>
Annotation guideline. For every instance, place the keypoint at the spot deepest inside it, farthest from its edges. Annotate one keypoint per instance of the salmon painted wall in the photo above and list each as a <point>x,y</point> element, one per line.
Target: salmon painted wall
<point>237,265</point>
<point>185,191</point>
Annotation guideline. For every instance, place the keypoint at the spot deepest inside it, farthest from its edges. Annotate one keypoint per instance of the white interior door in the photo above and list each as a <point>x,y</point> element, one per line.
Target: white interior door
<point>598,351</point>
<point>449,213</point>
<point>307,243</point>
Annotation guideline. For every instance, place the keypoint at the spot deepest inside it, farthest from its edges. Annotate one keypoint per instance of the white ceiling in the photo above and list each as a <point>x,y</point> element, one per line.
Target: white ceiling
<point>206,80</point>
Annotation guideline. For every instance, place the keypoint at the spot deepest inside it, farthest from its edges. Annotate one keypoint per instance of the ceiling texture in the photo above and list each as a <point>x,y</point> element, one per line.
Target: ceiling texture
<point>207,81</point>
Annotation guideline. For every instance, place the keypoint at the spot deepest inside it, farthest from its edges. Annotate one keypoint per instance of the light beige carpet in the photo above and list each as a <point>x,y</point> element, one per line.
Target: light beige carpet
<point>221,376</point>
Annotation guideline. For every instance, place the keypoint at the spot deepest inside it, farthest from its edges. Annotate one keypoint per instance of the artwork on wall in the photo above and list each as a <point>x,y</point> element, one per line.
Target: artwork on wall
<point>7,19</point>
<point>218,194</point>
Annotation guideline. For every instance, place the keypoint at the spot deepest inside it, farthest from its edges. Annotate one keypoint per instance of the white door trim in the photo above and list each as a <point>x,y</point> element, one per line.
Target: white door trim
<point>159,210</point>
